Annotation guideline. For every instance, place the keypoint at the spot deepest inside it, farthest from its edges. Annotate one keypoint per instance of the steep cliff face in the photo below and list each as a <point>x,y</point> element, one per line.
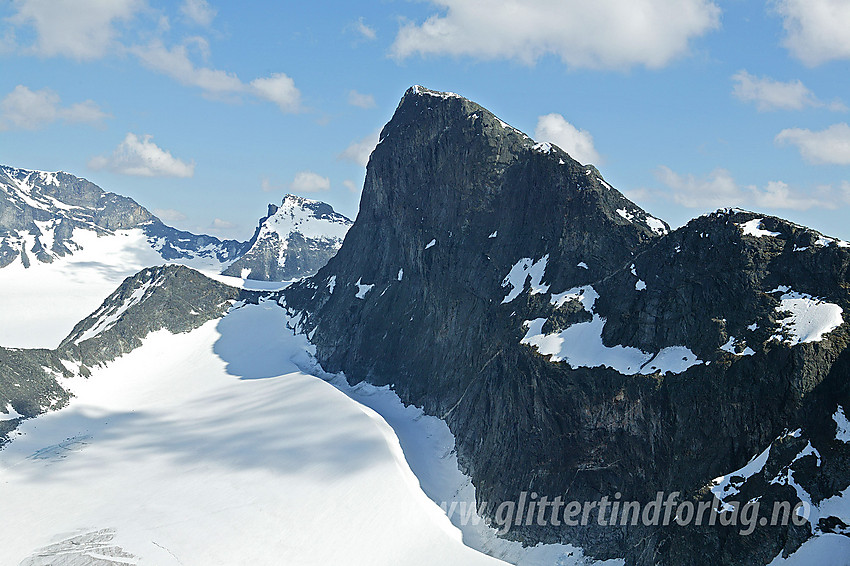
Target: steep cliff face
<point>574,345</point>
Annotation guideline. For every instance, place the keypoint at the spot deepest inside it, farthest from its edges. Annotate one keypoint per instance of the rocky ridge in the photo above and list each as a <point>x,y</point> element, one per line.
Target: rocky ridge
<point>40,211</point>
<point>292,241</point>
<point>575,346</point>
<point>171,297</point>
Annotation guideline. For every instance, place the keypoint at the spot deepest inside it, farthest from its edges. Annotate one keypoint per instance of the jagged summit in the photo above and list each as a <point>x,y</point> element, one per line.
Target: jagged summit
<point>572,342</point>
<point>40,212</point>
<point>418,92</point>
<point>294,240</point>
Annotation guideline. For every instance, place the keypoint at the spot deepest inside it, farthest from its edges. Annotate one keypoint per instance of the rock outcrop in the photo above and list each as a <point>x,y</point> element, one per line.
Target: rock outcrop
<point>578,348</point>
<point>40,211</point>
<point>293,241</point>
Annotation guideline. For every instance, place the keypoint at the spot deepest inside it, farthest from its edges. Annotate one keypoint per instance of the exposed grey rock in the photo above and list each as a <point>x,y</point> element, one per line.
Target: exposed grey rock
<point>176,298</point>
<point>454,200</point>
<point>29,385</point>
<point>294,240</point>
<point>39,212</point>
<point>172,297</point>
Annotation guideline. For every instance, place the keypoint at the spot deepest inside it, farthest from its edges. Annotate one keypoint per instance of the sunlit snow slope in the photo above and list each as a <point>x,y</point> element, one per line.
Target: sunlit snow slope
<point>41,304</point>
<point>65,244</point>
<point>212,447</point>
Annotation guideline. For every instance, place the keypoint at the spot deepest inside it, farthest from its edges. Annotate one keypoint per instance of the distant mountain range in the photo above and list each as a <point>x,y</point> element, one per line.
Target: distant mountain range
<point>47,216</point>
<point>65,243</point>
<point>40,214</point>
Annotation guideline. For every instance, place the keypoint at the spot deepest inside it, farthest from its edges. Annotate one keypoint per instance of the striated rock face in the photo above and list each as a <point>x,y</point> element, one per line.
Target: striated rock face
<point>294,240</point>
<point>40,211</point>
<point>576,347</point>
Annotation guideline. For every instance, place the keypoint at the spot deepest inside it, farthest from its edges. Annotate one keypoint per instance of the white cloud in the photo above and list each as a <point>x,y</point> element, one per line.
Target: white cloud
<point>599,34</point>
<point>779,195</point>
<point>578,143</point>
<point>770,94</point>
<point>831,145</point>
<point>198,11</point>
<point>268,186</point>
<point>309,182</point>
<point>280,89</point>
<point>169,214</point>
<point>143,158</point>
<point>25,109</point>
<point>364,30</point>
<point>219,224</point>
<point>719,189</point>
<point>8,41</point>
<point>176,63</point>
<point>360,150</point>
<point>351,186</point>
<point>816,30</point>
<point>361,100</point>
<point>79,29</point>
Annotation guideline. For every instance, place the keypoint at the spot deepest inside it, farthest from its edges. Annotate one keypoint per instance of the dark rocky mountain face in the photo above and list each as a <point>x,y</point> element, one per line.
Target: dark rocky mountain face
<point>293,241</point>
<point>39,212</point>
<point>575,346</point>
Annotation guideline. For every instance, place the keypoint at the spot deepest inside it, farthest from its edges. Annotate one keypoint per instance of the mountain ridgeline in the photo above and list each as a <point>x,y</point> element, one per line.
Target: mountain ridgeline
<point>576,347</point>
<point>40,211</point>
<point>294,240</point>
<point>170,297</point>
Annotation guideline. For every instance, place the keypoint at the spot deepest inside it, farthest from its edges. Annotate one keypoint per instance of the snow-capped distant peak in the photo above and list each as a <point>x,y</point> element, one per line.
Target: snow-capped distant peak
<point>295,240</point>
<point>311,218</point>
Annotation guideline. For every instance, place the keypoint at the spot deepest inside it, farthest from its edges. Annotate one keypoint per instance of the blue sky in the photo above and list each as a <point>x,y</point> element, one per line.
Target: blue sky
<point>205,111</point>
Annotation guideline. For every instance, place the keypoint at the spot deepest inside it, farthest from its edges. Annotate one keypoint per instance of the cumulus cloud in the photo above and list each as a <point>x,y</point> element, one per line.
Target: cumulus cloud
<point>600,34</point>
<point>140,157</point>
<point>770,94</point>
<point>578,143</point>
<point>25,109</point>
<point>280,89</point>
<point>815,30</point>
<point>79,29</point>
<point>351,186</point>
<point>176,63</point>
<point>719,189</point>
<point>169,214</point>
<point>829,146</point>
<point>361,100</point>
<point>360,150</point>
<point>219,224</point>
<point>309,182</point>
<point>198,11</point>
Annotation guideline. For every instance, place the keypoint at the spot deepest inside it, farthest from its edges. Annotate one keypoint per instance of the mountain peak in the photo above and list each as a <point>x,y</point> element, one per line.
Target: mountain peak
<point>419,90</point>
<point>297,200</point>
<point>294,240</point>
